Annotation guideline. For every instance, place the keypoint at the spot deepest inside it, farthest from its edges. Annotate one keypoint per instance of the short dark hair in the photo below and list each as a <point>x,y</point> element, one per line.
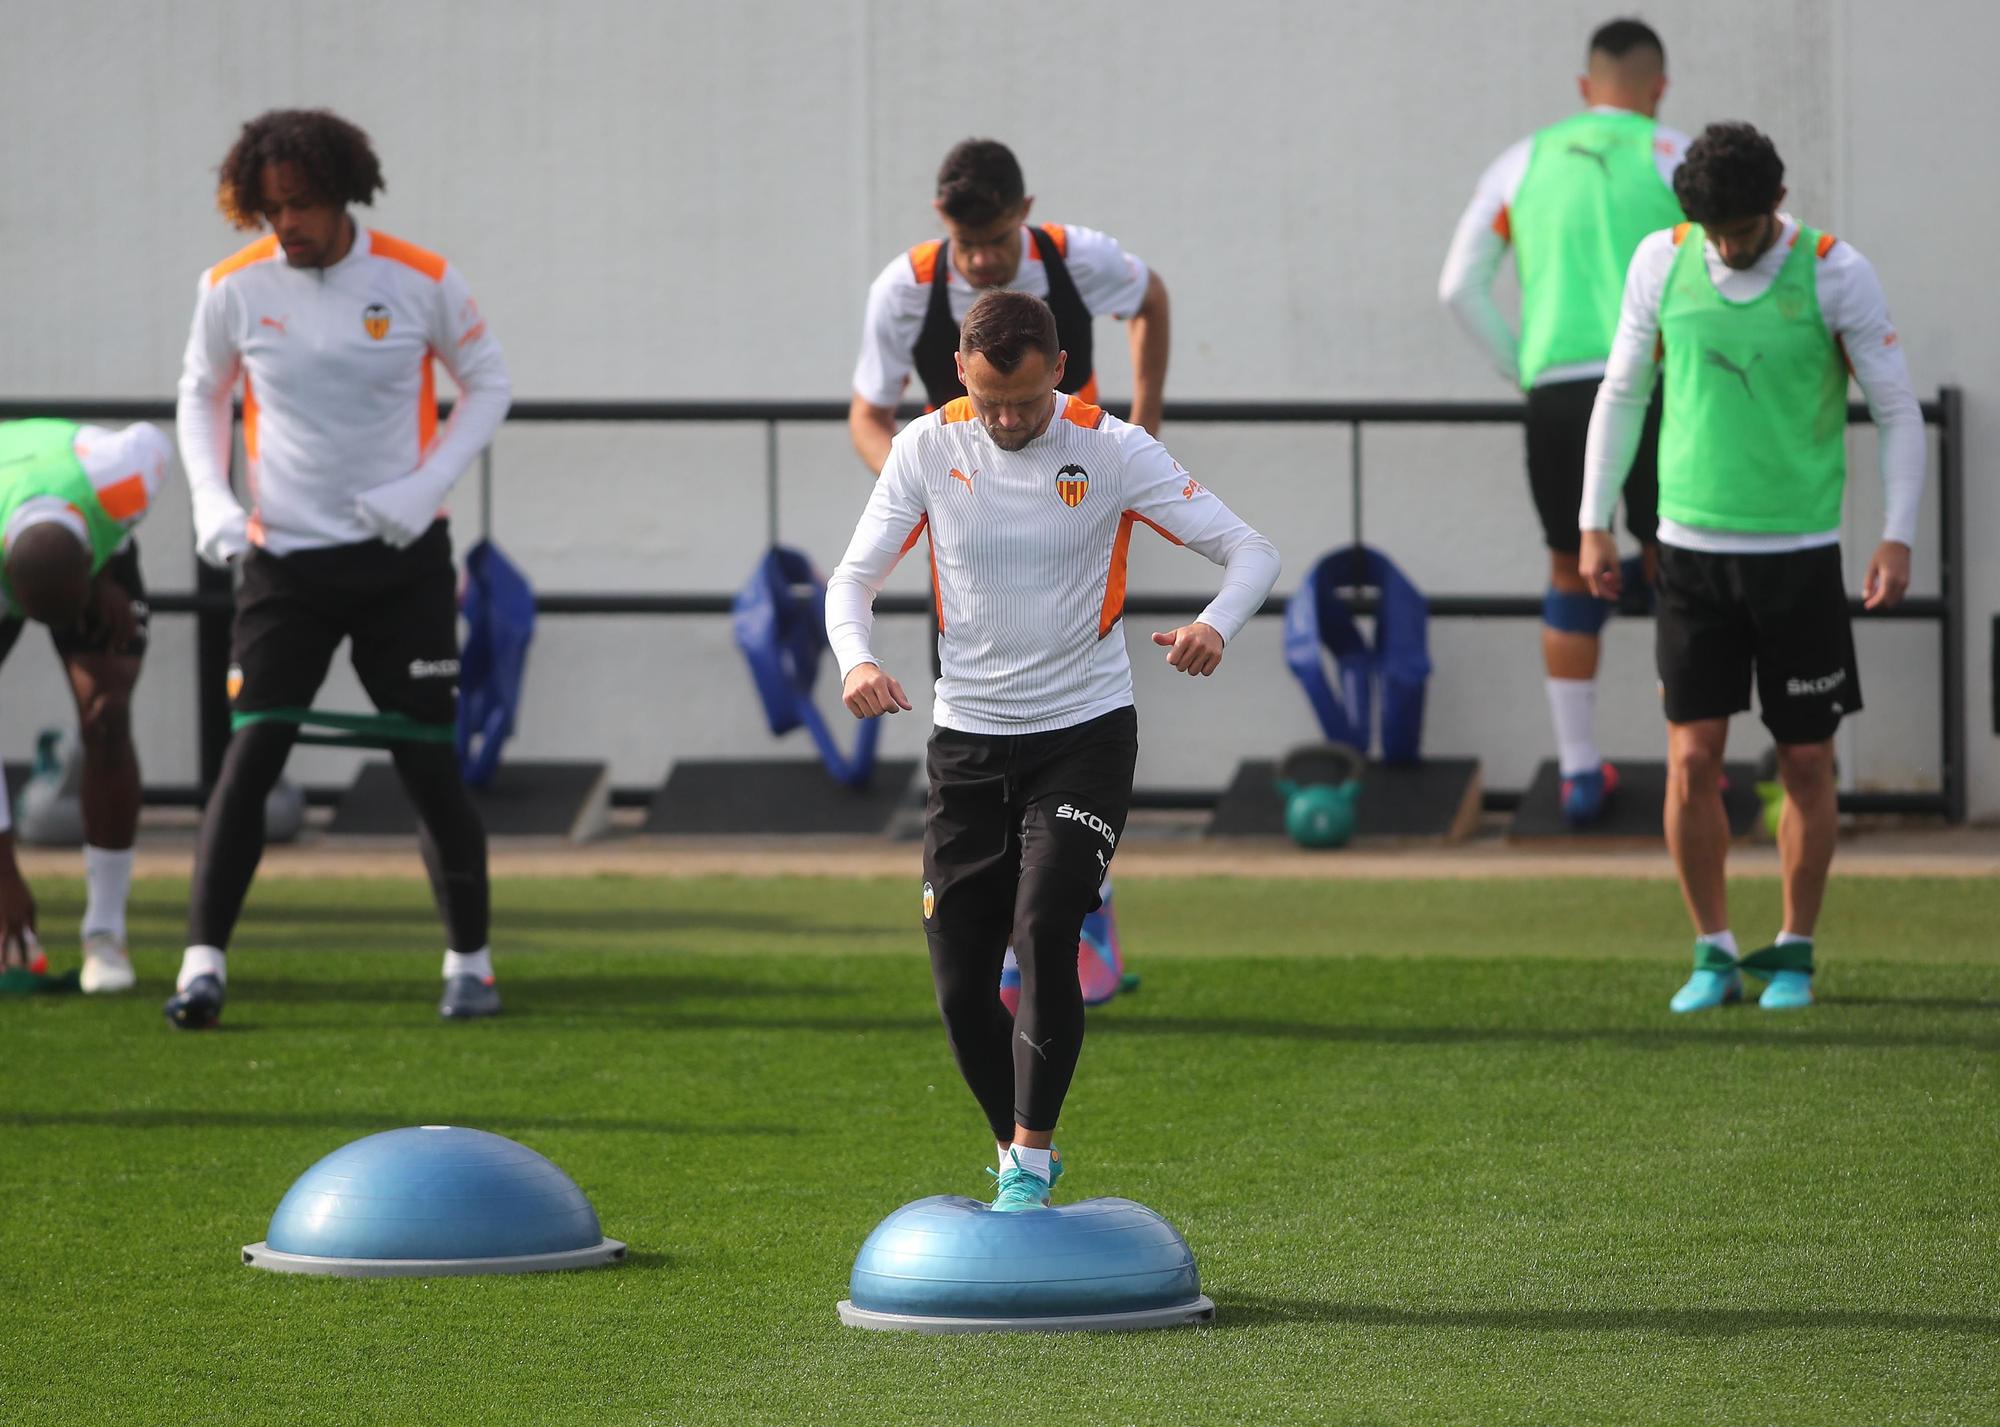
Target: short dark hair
<point>1730,172</point>
<point>979,182</point>
<point>335,156</point>
<point>1618,38</point>
<point>1006,325</point>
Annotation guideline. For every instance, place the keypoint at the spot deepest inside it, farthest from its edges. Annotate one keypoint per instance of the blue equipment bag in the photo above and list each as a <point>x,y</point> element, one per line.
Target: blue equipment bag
<point>500,623</point>
<point>1398,664</point>
<point>780,624</point>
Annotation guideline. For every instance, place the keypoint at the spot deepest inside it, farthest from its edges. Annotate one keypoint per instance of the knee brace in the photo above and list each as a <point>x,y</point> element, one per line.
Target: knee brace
<point>1574,613</point>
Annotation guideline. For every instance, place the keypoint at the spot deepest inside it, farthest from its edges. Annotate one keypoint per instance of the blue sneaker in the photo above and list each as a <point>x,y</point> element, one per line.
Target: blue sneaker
<point>1714,981</point>
<point>1017,1188</point>
<point>1787,973</point>
<point>468,998</point>
<point>196,1007</point>
<point>1584,795</point>
<point>1787,991</point>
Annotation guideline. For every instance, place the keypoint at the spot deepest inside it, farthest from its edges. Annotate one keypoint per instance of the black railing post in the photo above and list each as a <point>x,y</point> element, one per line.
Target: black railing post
<point>1951,588</point>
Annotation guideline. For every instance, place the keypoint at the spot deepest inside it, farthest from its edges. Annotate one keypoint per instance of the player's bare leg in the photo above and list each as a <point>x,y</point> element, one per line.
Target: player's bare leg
<point>102,685</point>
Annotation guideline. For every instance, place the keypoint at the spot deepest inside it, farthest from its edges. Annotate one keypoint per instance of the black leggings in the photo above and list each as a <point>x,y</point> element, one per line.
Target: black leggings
<point>1019,832</point>
<point>232,834</point>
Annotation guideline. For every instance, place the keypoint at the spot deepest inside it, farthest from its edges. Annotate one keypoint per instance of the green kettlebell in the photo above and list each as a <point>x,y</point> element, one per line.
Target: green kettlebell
<point>1320,814</point>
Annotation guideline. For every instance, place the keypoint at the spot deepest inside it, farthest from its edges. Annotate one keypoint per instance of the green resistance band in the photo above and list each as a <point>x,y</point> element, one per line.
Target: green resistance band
<point>376,730</point>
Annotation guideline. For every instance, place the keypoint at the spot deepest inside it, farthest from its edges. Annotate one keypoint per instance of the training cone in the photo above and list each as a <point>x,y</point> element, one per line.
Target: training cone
<point>432,1200</point>
<point>952,1265</point>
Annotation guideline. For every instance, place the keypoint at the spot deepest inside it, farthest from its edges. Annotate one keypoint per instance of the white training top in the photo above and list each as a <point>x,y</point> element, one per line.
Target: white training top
<point>1481,240</point>
<point>125,467</point>
<point>339,394</point>
<point>1857,316</point>
<point>1028,552</point>
<point>1108,279</point>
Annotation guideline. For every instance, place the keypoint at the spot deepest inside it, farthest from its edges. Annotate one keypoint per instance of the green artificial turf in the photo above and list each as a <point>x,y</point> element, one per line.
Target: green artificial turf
<point>1441,1152</point>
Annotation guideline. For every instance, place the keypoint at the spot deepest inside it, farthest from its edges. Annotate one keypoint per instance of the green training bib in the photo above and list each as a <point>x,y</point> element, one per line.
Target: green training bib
<point>1754,437</point>
<point>38,458</point>
<point>1591,192</point>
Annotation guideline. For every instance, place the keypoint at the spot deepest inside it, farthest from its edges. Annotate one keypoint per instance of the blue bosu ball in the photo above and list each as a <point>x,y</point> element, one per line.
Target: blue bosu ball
<point>952,1265</point>
<point>432,1200</point>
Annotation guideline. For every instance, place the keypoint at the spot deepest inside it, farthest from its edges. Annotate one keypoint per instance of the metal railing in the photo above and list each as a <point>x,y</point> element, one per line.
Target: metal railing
<point>210,602</point>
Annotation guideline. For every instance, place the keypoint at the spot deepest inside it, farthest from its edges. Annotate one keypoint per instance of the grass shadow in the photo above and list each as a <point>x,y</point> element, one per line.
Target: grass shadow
<point>1915,1003</point>
<point>1247,1312</point>
<point>365,1122</point>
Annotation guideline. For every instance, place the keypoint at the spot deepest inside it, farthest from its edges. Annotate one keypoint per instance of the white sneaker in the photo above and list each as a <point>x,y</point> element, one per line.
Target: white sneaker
<point>106,967</point>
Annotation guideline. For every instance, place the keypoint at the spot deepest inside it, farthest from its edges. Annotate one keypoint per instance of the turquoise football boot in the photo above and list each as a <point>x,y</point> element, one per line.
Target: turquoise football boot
<point>1787,973</point>
<point>1017,1188</point>
<point>1714,981</point>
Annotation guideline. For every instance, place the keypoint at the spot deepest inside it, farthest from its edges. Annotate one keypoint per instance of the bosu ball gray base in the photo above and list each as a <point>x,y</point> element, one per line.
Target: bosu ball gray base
<point>1202,1310</point>
<point>262,1255</point>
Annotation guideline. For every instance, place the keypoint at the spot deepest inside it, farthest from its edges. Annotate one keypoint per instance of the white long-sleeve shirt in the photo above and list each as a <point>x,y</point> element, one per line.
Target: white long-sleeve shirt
<point>339,394</point>
<point>1856,315</point>
<point>1028,553</point>
<point>1481,240</point>
<point>1108,279</point>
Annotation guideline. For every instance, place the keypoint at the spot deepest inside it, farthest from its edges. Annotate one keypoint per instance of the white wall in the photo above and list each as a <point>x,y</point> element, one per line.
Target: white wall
<point>689,200</point>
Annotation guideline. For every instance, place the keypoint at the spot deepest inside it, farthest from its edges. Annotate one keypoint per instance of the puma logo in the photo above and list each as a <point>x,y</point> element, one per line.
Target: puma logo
<point>1742,374</point>
<point>1037,1049</point>
<point>1103,864</point>
<point>958,475</point>
<point>277,322</point>
<point>1596,156</point>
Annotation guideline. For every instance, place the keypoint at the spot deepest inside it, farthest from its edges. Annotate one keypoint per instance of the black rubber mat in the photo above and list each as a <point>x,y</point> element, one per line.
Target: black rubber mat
<point>1437,798</point>
<point>1631,813</point>
<point>775,797</point>
<point>570,800</point>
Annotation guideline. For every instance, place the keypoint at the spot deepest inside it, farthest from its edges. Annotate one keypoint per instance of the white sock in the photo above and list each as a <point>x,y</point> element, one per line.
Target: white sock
<point>202,961</point>
<point>1573,705</point>
<point>1787,938</point>
<point>1036,1162</point>
<point>1725,939</point>
<point>469,963</point>
<point>1006,1162</point>
<point>108,873</point>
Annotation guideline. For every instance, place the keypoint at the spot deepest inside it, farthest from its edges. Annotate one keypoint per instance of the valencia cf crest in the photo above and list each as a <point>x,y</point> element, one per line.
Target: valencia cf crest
<point>375,317</point>
<point>930,901</point>
<point>235,684</point>
<point>1072,485</point>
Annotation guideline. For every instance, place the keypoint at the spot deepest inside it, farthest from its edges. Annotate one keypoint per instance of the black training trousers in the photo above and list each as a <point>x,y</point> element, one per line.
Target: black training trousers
<point>1019,832</point>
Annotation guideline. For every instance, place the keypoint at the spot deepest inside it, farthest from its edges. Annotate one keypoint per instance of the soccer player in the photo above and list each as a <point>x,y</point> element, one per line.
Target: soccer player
<point>1572,201</point>
<point>70,496</point>
<point>1758,321</point>
<point>332,329</point>
<point>1028,497</point>
<point>917,303</point>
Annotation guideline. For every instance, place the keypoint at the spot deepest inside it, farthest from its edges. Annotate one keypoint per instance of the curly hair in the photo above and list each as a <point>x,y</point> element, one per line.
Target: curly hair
<point>335,156</point>
<point>979,182</point>
<point>1730,172</point>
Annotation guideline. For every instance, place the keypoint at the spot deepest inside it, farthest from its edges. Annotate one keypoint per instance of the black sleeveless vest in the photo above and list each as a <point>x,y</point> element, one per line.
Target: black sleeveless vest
<point>937,342</point>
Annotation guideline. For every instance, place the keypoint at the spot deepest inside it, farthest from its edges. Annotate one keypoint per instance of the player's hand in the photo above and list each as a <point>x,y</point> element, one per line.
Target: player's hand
<point>17,909</point>
<point>1597,562</point>
<point>1888,578</point>
<point>400,511</point>
<point>221,530</point>
<point>1193,648</point>
<point>111,620</point>
<point>870,693</point>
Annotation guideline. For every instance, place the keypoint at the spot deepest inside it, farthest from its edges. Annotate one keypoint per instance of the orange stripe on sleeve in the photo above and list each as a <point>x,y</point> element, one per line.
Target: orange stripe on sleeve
<point>249,419</point>
<point>125,498</point>
<point>381,245</point>
<point>1081,412</point>
<point>257,252</point>
<point>427,407</point>
<point>1088,394</point>
<point>1503,225</point>
<point>1825,246</point>
<point>1058,235</point>
<point>1680,232</point>
<point>923,260</point>
<point>959,408</point>
<point>1114,580</point>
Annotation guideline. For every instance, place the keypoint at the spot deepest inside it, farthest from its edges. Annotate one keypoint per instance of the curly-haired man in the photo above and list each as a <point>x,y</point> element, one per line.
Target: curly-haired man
<point>332,329</point>
<point>1757,322</point>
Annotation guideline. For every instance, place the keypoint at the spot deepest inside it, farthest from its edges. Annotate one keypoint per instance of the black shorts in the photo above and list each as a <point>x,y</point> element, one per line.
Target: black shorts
<point>1003,802</point>
<point>1785,616</point>
<point>1558,422</point>
<point>399,607</point>
<point>122,569</point>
